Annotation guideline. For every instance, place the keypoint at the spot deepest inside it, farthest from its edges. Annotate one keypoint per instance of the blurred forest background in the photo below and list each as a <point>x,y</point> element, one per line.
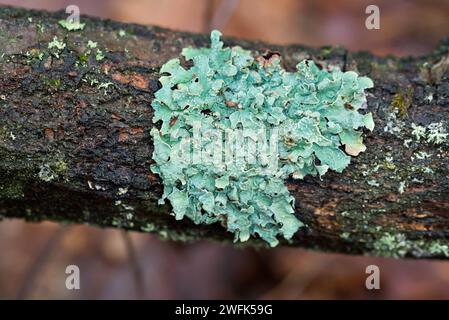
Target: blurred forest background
<point>114,264</point>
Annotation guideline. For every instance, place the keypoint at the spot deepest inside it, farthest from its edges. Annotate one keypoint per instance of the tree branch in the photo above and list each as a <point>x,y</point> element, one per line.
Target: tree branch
<point>75,144</point>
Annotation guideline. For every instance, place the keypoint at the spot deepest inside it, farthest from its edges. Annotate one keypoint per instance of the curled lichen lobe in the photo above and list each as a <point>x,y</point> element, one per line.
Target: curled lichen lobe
<point>234,127</point>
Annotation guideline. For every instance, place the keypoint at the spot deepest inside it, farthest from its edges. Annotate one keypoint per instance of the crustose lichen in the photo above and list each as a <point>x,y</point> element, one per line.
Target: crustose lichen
<point>234,127</point>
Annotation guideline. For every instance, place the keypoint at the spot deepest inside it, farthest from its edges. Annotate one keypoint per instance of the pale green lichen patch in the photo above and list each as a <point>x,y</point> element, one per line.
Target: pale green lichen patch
<point>34,55</point>
<point>420,155</point>
<point>419,132</point>
<point>91,45</point>
<point>393,125</point>
<point>438,248</point>
<point>434,133</point>
<point>397,246</point>
<point>391,245</point>
<point>57,46</point>
<point>402,186</point>
<point>56,43</point>
<point>53,171</point>
<point>99,55</point>
<point>234,127</point>
<point>71,25</point>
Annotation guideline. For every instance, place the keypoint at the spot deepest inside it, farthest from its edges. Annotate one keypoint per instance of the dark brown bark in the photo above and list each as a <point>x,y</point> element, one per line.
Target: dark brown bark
<point>75,144</point>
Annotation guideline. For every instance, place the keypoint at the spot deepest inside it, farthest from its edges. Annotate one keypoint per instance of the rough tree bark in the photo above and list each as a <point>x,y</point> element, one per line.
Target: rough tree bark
<point>75,144</point>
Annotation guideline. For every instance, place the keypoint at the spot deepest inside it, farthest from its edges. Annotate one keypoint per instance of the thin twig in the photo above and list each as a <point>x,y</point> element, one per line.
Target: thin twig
<point>136,267</point>
<point>208,14</point>
<point>39,263</point>
<point>223,14</point>
<point>299,279</point>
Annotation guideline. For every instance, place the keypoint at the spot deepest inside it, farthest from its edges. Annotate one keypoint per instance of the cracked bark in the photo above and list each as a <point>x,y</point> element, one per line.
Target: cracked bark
<point>75,144</point>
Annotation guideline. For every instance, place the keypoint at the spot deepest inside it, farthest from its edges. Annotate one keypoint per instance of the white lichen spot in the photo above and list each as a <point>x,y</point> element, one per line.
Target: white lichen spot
<point>392,126</point>
<point>402,186</point>
<point>345,214</point>
<point>71,25</point>
<point>91,44</point>
<point>40,27</point>
<point>98,187</point>
<point>439,248</point>
<point>128,207</point>
<point>119,203</point>
<point>345,235</point>
<point>437,134</point>
<point>122,191</point>
<point>105,85</point>
<point>407,142</point>
<point>12,136</point>
<point>121,33</point>
<point>434,133</point>
<point>427,170</point>
<point>419,132</point>
<point>56,44</point>
<point>99,56</point>
<point>429,98</point>
<point>373,183</point>
<point>45,173</point>
<point>370,171</point>
<point>94,82</point>
<point>420,155</point>
<point>394,245</point>
<point>90,184</point>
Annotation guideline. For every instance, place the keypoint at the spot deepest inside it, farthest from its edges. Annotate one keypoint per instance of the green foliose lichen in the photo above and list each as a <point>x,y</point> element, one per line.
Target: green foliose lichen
<point>234,127</point>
